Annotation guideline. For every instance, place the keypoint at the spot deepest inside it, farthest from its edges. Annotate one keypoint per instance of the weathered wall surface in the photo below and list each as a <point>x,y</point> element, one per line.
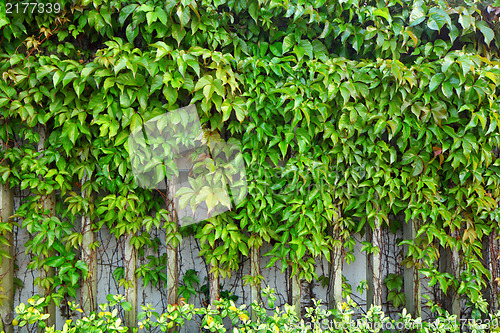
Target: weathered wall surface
<point>111,257</point>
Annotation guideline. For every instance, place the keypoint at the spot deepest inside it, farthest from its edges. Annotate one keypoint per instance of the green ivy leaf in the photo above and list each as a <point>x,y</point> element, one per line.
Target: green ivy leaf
<point>437,18</point>
<point>465,20</point>
<point>308,48</point>
<point>418,167</point>
<point>486,31</point>
<point>288,43</point>
<point>383,12</point>
<point>409,156</point>
<point>417,15</point>
<point>125,12</point>
<point>253,7</point>
<point>436,81</point>
<point>128,79</point>
<point>379,126</point>
<point>55,261</point>
<point>127,306</point>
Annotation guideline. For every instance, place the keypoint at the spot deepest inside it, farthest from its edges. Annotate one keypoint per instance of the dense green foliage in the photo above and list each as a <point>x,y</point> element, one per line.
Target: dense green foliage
<point>348,113</point>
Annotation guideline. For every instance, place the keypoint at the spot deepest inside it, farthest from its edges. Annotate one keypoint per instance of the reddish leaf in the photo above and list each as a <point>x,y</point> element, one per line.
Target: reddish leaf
<point>437,151</point>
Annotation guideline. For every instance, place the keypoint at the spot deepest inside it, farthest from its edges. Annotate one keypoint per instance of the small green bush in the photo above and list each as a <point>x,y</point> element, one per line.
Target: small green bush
<point>343,319</point>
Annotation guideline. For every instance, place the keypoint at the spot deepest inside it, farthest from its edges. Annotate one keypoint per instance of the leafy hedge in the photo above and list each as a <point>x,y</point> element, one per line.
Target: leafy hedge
<point>226,317</point>
<point>348,113</point>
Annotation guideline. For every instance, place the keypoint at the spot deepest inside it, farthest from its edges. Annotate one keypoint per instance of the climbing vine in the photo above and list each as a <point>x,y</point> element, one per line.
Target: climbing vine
<point>347,114</point>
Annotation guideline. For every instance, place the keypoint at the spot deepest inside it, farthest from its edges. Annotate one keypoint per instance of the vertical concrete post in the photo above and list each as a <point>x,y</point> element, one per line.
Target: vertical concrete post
<point>48,205</point>
<point>130,260</point>
<point>88,294</point>
<point>172,274</point>
<point>7,262</point>
<point>490,255</point>
<point>214,285</point>
<point>46,273</point>
<point>172,248</point>
<point>374,266</point>
<point>335,273</point>
<point>449,262</point>
<point>411,275</point>
<point>255,272</point>
<point>296,294</point>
